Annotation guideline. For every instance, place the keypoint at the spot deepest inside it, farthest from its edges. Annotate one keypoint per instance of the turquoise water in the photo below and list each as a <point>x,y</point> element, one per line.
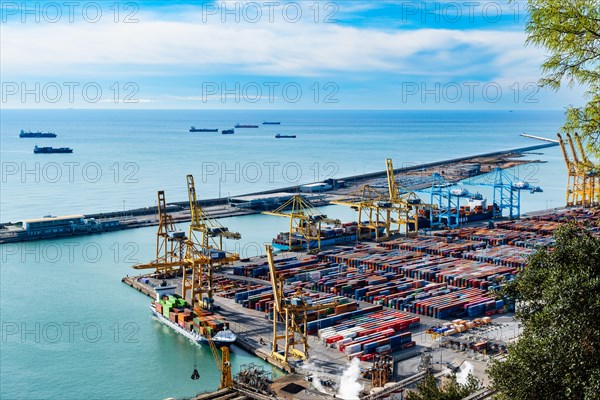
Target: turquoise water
<point>72,330</point>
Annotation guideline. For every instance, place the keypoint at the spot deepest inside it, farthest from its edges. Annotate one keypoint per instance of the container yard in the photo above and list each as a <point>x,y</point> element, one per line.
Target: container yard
<point>397,298</point>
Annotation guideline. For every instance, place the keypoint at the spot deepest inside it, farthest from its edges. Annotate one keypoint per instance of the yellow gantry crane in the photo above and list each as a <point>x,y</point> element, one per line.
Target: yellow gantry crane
<point>292,312</point>
<point>305,220</point>
<point>404,205</point>
<point>372,205</point>
<point>583,184</point>
<point>388,212</point>
<point>170,243</point>
<point>205,248</point>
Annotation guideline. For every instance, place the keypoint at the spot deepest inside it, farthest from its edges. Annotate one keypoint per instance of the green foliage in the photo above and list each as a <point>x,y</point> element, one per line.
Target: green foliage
<point>558,300</point>
<point>570,31</point>
<point>449,390</point>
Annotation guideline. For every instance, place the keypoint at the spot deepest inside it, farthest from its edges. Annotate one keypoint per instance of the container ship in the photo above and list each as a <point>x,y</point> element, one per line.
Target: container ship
<point>476,209</point>
<point>280,136</point>
<point>173,311</point>
<point>245,126</point>
<point>194,129</point>
<point>49,150</point>
<point>343,233</point>
<point>271,123</point>
<point>30,134</point>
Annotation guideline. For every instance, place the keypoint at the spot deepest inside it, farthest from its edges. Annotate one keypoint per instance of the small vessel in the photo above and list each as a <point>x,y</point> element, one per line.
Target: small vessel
<point>280,136</point>
<point>271,123</point>
<point>30,134</point>
<point>460,192</point>
<point>245,126</point>
<point>48,150</point>
<point>228,131</point>
<point>173,311</point>
<point>194,129</point>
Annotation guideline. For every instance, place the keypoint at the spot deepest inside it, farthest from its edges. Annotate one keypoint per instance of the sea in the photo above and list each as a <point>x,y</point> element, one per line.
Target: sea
<point>72,330</point>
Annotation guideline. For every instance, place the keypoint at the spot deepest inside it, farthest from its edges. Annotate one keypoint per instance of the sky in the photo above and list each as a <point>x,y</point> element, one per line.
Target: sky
<point>279,54</point>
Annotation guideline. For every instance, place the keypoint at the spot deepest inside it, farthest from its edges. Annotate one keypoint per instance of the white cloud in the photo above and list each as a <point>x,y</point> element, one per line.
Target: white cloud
<point>280,48</point>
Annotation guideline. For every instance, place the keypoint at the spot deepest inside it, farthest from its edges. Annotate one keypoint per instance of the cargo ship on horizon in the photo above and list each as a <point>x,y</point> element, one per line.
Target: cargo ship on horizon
<point>194,129</point>
<point>38,134</point>
<point>245,126</point>
<point>173,311</point>
<point>51,150</point>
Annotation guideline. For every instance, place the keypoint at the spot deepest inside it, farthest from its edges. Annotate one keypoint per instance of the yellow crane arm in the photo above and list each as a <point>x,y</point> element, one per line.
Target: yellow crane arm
<point>391,179</point>
<point>275,283</point>
<point>563,148</point>
<point>572,146</point>
<point>194,211</point>
<point>223,363</point>
<point>584,156</point>
<point>162,206</point>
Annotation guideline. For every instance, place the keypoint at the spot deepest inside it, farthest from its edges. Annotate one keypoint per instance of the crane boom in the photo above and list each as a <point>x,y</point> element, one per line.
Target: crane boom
<point>391,179</point>
<point>223,363</point>
<point>563,148</point>
<point>572,146</point>
<point>275,283</point>
<point>584,156</point>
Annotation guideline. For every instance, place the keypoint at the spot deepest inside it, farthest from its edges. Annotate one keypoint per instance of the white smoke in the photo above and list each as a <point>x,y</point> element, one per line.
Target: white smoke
<point>465,369</point>
<point>350,388</point>
<point>315,373</point>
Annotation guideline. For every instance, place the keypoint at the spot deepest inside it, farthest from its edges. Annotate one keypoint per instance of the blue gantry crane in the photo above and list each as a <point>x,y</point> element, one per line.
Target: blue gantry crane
<point>507,191</point>
<point>447,201</point>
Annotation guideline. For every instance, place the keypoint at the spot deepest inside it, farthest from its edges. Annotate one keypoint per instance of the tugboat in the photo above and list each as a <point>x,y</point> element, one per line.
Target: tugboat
<point>194,129</point>
<point>245,126</point>
<point>49,150</point>
<point>228,131</point>
<point>30,134</point>
<point>280,136</point>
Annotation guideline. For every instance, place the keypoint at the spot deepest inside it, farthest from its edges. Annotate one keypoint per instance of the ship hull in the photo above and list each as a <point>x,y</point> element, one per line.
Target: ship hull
<point>324,242</point>
<point>36,135</point>
<point>53,151</point>
<point>219,341</point>
<point>426,223</point>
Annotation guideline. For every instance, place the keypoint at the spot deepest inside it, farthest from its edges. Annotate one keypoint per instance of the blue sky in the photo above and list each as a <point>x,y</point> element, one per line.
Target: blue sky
<point>278,54</point>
